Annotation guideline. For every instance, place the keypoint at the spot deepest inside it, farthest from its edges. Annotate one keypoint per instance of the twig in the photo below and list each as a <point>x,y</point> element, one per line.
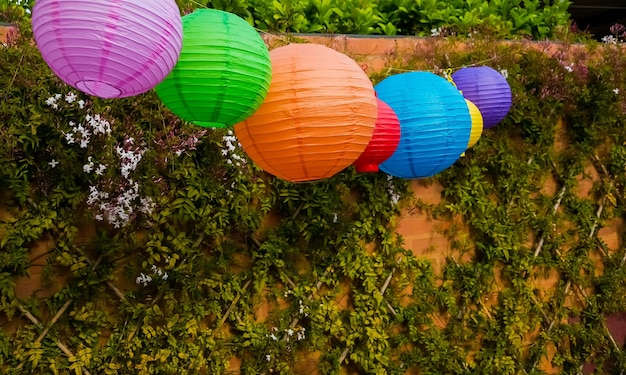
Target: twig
<point>318,285</point>
<point>54,320</point>
<point>345,352</point>
<point>295,214</point>
<point>567,286</point>
<point>15,74</point>
<point>554,209</point>
<point>598,214</point>
<point>112,286</point>
<point>60,345</point>
<point>199,241</point>
<point>232,305</point>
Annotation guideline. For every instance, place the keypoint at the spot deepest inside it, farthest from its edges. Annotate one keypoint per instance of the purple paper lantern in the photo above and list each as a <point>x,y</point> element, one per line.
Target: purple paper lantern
<point>109,48</point>
<point>488,90</point>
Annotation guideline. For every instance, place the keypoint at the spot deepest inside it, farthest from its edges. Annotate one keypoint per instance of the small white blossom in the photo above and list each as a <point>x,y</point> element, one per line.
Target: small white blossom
<point>70,97</point>
<point>609,39</point>
<point>393,195</point>
<point>100,170</point>
<point>616,91</point>
<point>273,337</point>
<point>99,217</point>
<point>300,334</point>
<point>87,168</point>
<point>51,101</point>
<point>69,138</point>
<point>147,205</point>
<point>289,332</point>
<point>435,32</point>
<point>53,163</point>
<point>268,357</point>
<point>81,104</point>
<point>143,279</point>
<point>57,96</point>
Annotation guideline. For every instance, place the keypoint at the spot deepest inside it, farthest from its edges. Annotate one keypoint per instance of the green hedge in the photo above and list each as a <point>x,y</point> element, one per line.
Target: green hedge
<point>539,19</point>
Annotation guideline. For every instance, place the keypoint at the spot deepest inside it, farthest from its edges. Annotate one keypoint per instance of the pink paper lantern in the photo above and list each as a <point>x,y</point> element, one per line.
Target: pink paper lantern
<point>384,140</point>
<point>109,48</point>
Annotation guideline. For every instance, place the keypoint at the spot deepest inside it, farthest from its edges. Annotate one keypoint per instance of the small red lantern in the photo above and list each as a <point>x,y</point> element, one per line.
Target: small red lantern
<point>384,141</point>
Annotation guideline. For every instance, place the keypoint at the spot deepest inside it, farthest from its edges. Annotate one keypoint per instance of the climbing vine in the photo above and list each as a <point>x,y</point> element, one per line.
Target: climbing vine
<point>165,250</point>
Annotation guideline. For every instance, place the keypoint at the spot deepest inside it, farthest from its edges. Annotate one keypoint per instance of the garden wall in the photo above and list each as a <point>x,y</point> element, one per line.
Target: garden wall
<point>426,234</point>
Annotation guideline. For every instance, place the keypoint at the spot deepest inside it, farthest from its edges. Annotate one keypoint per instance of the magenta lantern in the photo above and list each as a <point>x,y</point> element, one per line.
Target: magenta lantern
<point>109,48</point>
<point>384,141</point>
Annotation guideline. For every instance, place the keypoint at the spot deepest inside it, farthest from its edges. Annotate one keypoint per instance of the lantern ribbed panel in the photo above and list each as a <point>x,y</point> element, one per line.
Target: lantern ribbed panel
<point>435,123</point>
<point>109,48</point>
<point>318,117</point>
<point>223,73</point>
<point>384,140</point>
<point>477,124</point>
<point>487,89</point>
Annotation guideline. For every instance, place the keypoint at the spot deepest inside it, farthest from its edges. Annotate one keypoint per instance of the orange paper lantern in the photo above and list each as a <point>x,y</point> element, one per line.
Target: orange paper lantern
<point>317,118</point>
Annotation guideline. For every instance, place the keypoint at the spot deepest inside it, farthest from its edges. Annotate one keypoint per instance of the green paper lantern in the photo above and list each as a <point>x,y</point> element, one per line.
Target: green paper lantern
<point>223,73</point>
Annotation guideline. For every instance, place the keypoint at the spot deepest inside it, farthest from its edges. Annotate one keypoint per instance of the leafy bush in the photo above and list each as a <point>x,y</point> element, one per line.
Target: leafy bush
<point>504,18</point>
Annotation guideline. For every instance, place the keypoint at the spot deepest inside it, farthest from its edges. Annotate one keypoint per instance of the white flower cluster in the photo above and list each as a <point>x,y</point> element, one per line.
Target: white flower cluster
<point>145,279</point>
<point>81,134</point>
<point>569,68</point>
<point>609,39</point>
<point>89,167</point>
<point>300,333</point>
<point>70,98</point>
<point>117,207</point>
<point>393,194</point>
<point>130,158</point>
<point>303,309</point>
<point>232,150</point>
<point>119,210</point>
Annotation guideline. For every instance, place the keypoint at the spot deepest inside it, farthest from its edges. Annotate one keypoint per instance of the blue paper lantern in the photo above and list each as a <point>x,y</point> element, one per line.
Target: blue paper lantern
<point>487,89</point>
<point>435,123</point>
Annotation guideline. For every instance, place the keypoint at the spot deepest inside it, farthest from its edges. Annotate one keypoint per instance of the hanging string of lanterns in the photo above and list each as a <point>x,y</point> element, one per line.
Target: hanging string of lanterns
<point>302,112</point>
